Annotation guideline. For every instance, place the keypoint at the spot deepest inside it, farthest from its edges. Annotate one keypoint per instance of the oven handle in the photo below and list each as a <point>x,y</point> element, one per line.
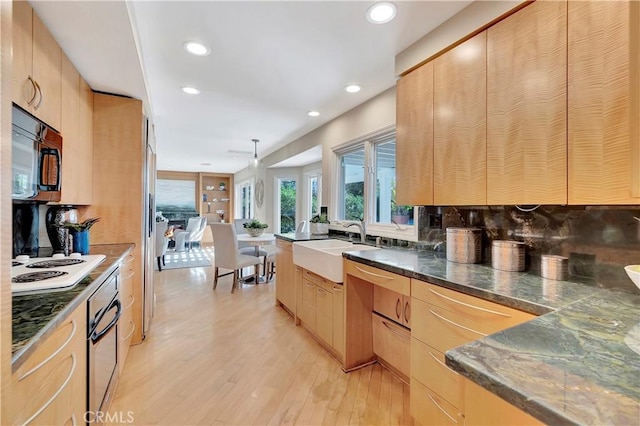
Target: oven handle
<point>96,336</point>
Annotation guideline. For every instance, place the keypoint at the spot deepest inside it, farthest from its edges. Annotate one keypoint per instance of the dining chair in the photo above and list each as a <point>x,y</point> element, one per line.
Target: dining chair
<point>162,242</point>
<point>227,255</point>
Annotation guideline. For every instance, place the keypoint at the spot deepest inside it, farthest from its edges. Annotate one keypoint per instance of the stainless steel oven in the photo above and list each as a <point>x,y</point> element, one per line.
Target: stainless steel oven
<point>104,311</point>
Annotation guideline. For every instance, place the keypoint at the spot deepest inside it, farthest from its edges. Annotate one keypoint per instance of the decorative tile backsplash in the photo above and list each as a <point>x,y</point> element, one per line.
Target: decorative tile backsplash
<point>597,240</point>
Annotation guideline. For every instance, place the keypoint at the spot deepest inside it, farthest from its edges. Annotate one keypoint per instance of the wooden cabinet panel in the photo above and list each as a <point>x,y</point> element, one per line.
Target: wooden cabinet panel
<point>427,366</point>
<point>84,195</point>
<point>126,325</point>
<point>414,137</point>
<point>47,68</point>
<point>23,90</point>
<point>338,319</point>
<point>484,408</point>
<point>526,106</point>
<point>428,408</point>
<point>379,277</point>
<point>392,343</point>
<point>460,124</point>
<point>285,284</point>
<point>388,303</point>
<point>604,102</point>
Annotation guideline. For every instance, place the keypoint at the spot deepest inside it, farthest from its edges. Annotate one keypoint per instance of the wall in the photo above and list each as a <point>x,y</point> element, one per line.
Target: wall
<point>599,241</point>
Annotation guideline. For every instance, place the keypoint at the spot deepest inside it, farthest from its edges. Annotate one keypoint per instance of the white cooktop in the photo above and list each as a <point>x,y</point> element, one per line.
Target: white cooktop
<point>74,273</point>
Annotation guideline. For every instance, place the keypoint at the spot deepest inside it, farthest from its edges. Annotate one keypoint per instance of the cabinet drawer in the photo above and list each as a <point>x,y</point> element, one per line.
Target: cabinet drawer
<point>440,329</point>
<point>427,408</point>
<point>308,292</point>
<point>324,304</point>
<point>388,280</point>
<point>317,279</point>
<point>427,366</point>
<point>490,316</point>
<point>324,328</point>
<point>388,303</point>
<point>392,343</point>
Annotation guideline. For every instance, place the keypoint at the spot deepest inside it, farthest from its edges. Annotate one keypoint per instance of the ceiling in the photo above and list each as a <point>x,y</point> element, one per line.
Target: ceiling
<point>270,63</point>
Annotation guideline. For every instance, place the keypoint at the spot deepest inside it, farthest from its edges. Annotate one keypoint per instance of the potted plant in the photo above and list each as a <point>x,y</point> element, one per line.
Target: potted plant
<point>80,233</point>
<point>399,214</point>
<point>319,224</point>
<point>255,228</point>
<point>222,186</point>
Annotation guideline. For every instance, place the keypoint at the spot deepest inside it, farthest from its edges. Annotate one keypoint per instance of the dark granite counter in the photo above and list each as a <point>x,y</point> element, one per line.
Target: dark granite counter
<point>575,364</point>
<point>35,316</point>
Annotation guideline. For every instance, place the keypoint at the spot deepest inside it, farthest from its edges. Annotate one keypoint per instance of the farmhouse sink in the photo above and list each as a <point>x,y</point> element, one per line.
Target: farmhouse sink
<point>324,257</point>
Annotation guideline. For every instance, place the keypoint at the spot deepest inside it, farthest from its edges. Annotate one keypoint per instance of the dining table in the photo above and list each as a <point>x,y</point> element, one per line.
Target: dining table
<point>257,242</point>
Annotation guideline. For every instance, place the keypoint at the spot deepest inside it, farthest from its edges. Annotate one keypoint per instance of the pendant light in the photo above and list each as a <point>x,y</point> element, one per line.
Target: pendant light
<point>254,163</point>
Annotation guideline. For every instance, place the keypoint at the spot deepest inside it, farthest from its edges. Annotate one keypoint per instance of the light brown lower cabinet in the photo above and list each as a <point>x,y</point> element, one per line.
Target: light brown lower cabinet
<point>322,310</point>
<point>50,387</point>
<point>391,344</point>
<point>126,325</point>
<point>430,409</point>
<point>484,408</point>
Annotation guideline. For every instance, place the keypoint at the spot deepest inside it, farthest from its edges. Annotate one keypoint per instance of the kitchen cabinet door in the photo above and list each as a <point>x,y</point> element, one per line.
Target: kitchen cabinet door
<point>388,303</point>
<point>285,283</point>
<point>338,319</point>
<point>484,408</point>
<point>604,102</point>
<point>23,91</point>
<point>414,137</point>
<point>460,124</point>
<point>527,106</point>
<point>84,195</point>
<point>126,325</point>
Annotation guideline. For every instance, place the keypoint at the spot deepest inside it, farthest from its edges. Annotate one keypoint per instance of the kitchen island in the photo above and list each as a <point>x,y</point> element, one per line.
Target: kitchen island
<point>575,364</point>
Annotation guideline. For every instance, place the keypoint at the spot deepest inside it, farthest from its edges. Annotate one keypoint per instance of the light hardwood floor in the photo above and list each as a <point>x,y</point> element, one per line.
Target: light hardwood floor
<point>218,358</point>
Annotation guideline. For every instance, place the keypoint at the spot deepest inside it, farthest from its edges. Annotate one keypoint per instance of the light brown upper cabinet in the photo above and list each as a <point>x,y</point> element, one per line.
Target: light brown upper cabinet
<point>414,137</point>
<point>526,106</point>
<point>604,102</point>
<point>460,124</point>
<point>37,65</point>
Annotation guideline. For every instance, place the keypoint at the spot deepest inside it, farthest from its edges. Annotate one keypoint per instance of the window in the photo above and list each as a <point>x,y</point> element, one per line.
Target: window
<point>244,203</point>
<point>312,193</point>
<point>367,187</point>
<point>286,204</point>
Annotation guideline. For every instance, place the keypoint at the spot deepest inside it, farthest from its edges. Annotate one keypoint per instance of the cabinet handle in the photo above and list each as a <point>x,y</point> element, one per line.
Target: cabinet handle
<point>407,308</point>
<point>441,409</point>
<point>386,324</point>
<point>73,419</point>
<point>308,284</point>
<point>456,324</point>
<point>313,277</point>
<point>502,314</point>
<point>50,357</point>
<point>55,395</point>
<point>35,91</point>
<point>129,276</point>
<point>41,95</point>
<point>375,275</point>
<point>129,259</point>
<point>337,288</point>
<point>398,309</point>
<point>133,328</point>
<point>322,292</point>
<point>133,299</point>
<point>441,363</point>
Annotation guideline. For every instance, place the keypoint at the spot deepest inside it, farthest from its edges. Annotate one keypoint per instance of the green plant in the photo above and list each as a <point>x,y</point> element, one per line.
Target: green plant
<point>255,224</point>
<point>396,209</point>
<point>78,227</point>
<point>319,218</point>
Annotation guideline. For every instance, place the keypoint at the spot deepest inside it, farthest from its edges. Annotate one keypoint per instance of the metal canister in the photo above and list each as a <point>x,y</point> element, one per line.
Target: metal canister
<point>508,255</point>
<point>555,267</point>
<point>464,245</point>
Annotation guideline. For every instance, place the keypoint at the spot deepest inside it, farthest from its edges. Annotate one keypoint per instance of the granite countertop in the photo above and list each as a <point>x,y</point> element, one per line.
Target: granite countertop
<point>577,363</point>
<point>35,316</point>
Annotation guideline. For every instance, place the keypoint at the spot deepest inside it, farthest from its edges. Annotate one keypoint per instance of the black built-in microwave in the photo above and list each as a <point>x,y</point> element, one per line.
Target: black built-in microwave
<point>36,152</point>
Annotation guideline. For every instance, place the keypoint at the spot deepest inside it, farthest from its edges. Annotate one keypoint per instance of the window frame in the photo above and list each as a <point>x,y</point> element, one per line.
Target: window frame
<point>251,183</point>
<point>307,194</point>
<point>276,199</point>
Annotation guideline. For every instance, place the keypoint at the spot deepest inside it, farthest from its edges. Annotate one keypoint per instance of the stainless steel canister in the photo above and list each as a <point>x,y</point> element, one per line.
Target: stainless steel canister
<point>555,267</point>
<point>507,255</point>
<point>464,245</point>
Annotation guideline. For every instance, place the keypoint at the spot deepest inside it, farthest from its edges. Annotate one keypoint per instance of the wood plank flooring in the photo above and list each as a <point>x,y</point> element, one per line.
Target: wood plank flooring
<point>213,358</point>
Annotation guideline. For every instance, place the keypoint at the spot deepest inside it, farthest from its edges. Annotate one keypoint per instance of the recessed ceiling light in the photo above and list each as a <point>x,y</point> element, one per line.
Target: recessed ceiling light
<point>313,113</point>
<point>190,90</point>
<point>381,12</point>
<point>205,164</point>
<point>352,88</point>
<point>196,48</point>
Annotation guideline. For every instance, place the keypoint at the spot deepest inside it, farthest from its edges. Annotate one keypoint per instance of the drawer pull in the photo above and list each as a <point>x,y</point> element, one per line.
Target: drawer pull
<point>50,357</point>
<point>133,299</point>
<point>441,409</point>
<point>407,312</point>
<point>442,363</point>
<point>129,275</point>
<point>337,288</point>
<point>55,395</point>
<point>404,336</point>
<point>314,277</point>
<point>308,284</point>
<point>322,292</point>
<point>502,314</point>
<point>398,309</point>
<point>129,259</point>
<point>73,419</point>
<point>457,325</point>
<point>133,328</point>
<point>374,275</point>
<point>35,91</point>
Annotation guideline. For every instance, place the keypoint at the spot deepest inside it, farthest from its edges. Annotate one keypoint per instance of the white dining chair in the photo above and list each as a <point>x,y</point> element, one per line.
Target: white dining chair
<point>227,255</point>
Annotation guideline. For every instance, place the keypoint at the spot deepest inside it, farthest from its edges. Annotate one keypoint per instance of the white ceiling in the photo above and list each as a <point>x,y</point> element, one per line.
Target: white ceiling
<point>270,63</point>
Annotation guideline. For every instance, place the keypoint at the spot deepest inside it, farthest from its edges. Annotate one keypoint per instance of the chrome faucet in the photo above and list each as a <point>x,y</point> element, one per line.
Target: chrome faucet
<point>361,226</point>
